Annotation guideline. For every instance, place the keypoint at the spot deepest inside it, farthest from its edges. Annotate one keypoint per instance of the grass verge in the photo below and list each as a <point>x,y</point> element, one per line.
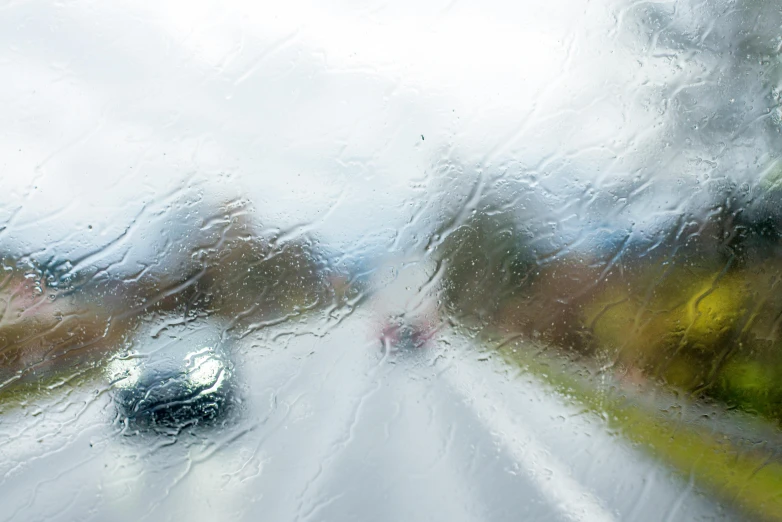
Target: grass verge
<point>751,480</point>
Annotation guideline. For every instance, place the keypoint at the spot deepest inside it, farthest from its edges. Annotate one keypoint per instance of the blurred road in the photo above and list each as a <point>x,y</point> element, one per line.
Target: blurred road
<point>333,427</point>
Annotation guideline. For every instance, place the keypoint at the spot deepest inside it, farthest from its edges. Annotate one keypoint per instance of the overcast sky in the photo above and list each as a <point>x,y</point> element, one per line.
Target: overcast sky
<point>331,120</point>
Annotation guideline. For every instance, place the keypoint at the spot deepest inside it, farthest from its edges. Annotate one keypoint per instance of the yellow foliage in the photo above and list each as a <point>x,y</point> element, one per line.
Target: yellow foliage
<point>714,310</point>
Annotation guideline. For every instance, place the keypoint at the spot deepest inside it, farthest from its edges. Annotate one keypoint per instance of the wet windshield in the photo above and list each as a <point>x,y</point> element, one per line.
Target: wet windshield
<point>468,261</point>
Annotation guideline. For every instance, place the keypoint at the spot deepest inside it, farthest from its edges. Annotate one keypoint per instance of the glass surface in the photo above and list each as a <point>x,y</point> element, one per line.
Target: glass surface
<point>453,260</point>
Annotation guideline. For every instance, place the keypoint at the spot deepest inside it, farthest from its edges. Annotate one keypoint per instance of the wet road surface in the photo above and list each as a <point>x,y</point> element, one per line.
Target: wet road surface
<point>333,426</point>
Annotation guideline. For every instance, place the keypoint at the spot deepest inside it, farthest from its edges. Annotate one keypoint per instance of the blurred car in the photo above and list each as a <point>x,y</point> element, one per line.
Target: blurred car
<point>401,334</point>
<point>180,380</point>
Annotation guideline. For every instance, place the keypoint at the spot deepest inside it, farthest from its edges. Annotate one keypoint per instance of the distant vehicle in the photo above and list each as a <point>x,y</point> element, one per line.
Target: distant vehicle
<point>403,335</point>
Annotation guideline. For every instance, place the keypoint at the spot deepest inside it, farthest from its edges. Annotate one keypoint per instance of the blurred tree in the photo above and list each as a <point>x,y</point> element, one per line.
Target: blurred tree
<point>721,103</point>
<point>489,261</point>
<point>206,260</point>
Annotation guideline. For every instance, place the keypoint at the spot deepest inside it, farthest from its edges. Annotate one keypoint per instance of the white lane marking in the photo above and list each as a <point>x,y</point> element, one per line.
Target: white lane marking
<point>550,476</point>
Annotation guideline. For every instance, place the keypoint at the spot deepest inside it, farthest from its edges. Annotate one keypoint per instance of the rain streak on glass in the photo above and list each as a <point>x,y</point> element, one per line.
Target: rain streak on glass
<point>452,260</point>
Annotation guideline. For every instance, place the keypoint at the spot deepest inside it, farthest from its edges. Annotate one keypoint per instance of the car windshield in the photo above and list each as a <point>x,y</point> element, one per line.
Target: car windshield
<point>455,260</point>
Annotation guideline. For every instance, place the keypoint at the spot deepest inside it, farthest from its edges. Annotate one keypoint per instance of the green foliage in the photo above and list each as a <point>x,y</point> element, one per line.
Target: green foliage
<point>487,263</point>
